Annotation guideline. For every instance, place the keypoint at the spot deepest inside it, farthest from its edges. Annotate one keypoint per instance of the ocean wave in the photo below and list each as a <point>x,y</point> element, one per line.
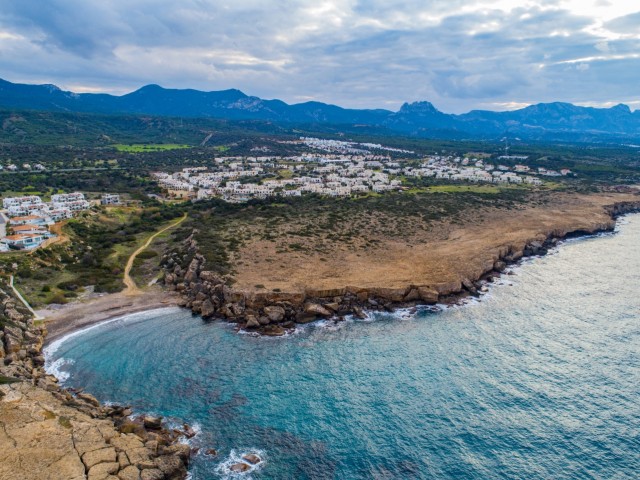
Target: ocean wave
<point>56,368</point>
<point>52,366</point>
<point>235,456</point>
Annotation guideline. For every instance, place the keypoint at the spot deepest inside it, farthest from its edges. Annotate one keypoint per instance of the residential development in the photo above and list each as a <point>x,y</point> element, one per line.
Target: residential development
<point>345,169</point>
<point>29,218</point>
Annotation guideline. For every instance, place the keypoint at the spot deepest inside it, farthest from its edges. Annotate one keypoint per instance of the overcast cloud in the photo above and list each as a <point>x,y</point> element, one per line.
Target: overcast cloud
<point>458,54</point>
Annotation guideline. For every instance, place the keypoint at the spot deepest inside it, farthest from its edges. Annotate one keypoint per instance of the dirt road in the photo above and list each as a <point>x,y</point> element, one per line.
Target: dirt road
<point>132,288</point>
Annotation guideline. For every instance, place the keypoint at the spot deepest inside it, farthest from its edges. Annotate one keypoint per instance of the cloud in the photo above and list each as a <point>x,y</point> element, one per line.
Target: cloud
<point>460,54</point>
<point>628,24</point>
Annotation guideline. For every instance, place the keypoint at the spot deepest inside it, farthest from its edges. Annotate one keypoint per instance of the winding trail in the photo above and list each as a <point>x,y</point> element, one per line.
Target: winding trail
<point>132,288</point>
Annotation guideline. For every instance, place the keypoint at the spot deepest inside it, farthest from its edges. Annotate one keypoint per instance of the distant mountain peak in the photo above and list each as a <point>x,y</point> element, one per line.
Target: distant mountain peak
<point>419,108</point>
<point>621,107</point>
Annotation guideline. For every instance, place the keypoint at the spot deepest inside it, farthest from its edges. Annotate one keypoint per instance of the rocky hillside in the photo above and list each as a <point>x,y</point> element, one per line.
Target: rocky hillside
<point>50,432</point>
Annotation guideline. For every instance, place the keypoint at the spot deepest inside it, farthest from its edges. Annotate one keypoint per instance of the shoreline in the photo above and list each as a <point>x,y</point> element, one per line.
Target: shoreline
<point>77,316</point>
<point>74,317</point>
<point>276,313</point>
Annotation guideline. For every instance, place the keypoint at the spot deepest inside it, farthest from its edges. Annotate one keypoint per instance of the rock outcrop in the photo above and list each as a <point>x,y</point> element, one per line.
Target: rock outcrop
<point>50,432</point>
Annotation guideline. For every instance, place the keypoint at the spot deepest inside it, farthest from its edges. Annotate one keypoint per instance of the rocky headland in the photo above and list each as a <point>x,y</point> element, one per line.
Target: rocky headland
<point>47,431</point>
<point>481,258</point>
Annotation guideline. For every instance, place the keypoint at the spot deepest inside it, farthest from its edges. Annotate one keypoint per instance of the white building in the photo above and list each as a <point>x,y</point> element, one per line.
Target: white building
<point>110,199</point>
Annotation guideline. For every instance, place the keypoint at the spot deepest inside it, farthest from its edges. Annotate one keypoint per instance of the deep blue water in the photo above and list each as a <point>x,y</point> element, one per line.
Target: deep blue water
<point>538,380</point>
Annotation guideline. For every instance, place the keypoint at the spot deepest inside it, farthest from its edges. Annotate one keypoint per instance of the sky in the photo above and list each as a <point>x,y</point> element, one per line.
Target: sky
<point>458,54</point>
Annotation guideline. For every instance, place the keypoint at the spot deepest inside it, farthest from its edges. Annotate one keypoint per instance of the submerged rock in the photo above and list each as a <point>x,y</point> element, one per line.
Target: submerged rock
<point>252,458</point>
<point>239,467</point>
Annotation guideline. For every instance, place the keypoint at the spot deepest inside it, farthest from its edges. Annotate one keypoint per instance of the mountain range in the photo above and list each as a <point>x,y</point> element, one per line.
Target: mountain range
<point>544,122</point>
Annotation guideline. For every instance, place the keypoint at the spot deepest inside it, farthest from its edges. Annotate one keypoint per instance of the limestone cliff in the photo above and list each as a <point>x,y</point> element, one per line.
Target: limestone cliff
<point>47,432</point>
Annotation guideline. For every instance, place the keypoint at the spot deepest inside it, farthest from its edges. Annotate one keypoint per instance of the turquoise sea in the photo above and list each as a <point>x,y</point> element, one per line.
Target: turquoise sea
<point>539,379</point>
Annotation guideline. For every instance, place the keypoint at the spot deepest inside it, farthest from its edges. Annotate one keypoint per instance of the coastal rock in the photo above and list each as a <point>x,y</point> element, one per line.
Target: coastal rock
<point>447,288</point>
<point>392,294</point>
<point>428,295</point>
<point>102,471</point>
<point>325,293</point>
<point>152,423</point>
<point>210,277</point>
<point>151,474</point>
<point>129,473</point>
<point>316,309</point>
<point>207,309</point>
<point>273,331</point>
<point>303,317</point>
<point>171,466</point>
<point>259,300</point>
<point>275,314</point>
<point>104,455</point>
<point>252,322</point>
<point>413,295</point>
<point>252,458</point>
<point>499,266</point>
<point>468,284</point>
<point>333,306</point>
<point>88,398</point>
<point>359,313</point>
<point>239,468</point>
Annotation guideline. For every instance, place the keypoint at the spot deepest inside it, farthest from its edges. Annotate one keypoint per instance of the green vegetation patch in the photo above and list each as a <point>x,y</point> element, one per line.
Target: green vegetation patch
<point>149,147</point>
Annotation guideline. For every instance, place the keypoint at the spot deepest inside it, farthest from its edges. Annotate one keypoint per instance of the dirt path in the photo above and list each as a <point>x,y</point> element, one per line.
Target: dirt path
<point>132,288</point>
<point>59,238</point>
<point>22,299</point>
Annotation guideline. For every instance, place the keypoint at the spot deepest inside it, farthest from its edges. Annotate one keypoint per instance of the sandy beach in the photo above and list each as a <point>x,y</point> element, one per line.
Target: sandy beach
<point>74,316</point>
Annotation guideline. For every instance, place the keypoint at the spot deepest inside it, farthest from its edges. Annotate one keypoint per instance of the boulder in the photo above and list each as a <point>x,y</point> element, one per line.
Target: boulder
<point>359,313</point>
<point>499,266</point>
<point>88,398</point>
<point>171,466</point>
<point>428,294</point>
<point>303,317</point>
<point>275,314</point>
<point>103,471</point>
<point>316,309</point>
<point>263,320</point>
<point>129,473</point>
<point>210,277</point>
<point>239,467</point>
<point>152,474</point>
<point>468,284</point>
<point>447,288</point>
<point>333,306</point>
<point>207,309</point>
<point>412,296</point>
<point>392,294</point>
<point>252,458</point>
<point>252,322</point>
<point>261,299</point>
<point>273,331</point>
<point>152,423</point>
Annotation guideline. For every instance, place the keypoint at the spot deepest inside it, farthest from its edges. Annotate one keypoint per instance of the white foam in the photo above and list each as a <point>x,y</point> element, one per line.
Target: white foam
<point>56,368</point>
<point>235,456</point>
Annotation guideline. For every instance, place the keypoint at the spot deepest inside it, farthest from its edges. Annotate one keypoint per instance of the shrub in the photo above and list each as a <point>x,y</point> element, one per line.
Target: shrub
<point>57,298</point>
